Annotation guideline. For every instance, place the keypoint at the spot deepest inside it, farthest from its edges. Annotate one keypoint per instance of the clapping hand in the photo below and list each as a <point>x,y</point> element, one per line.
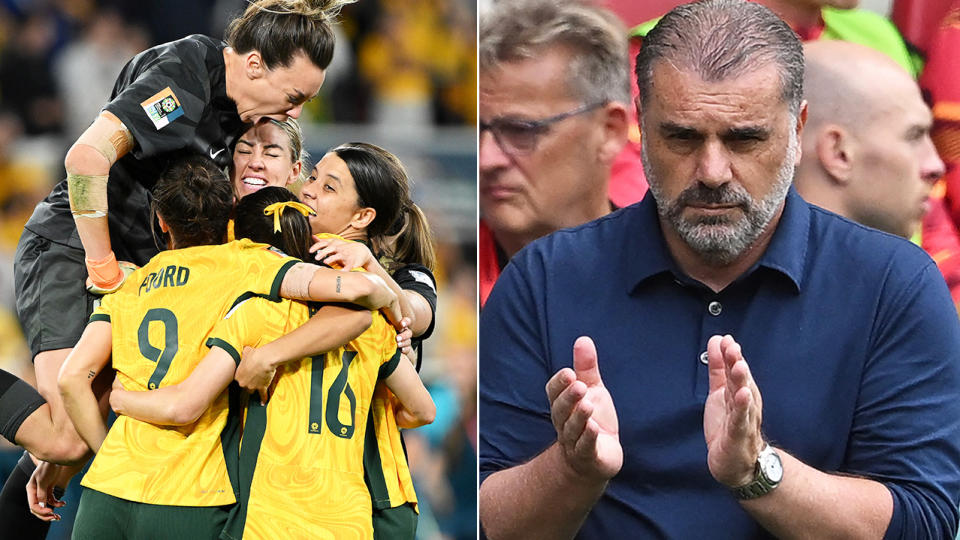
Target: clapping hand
<point>732,414</point>
<point>584,416</point>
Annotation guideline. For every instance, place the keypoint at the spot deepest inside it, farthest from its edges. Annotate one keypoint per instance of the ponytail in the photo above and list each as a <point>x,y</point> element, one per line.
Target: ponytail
<point>252,222</point>
<point>414,243</point>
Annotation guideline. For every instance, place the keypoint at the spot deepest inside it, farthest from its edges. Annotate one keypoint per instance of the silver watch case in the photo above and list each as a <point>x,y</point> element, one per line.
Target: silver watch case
<point>767,476</point>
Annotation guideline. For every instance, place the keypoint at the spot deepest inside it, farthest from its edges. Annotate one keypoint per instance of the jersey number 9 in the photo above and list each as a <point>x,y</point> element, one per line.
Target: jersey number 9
<point>161,357</point>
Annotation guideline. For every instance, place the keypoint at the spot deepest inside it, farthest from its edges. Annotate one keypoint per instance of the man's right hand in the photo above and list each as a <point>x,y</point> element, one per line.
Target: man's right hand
<point>584,416</point>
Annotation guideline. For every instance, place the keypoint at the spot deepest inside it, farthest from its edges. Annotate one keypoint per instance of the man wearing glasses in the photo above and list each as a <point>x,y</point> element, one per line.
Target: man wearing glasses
<point>554,89</point>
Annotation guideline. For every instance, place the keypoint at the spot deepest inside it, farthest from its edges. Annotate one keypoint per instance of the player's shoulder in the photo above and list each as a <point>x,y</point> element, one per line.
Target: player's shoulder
<point>190,52</point>
<point>415,273</point>
<point>245,247</point>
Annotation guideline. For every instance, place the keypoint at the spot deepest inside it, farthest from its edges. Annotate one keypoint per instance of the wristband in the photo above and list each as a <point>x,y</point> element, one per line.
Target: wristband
<point>105,273</point>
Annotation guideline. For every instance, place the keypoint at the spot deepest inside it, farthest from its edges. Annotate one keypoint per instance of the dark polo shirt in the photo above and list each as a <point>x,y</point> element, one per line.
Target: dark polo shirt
<point>849,333</point>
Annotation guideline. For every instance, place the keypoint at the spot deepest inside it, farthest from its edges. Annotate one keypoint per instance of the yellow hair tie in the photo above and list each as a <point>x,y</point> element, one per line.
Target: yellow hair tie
<point>276,209</point>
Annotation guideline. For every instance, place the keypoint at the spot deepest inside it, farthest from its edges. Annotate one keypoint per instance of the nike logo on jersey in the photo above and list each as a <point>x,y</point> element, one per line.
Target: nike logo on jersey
<point>213,155</point>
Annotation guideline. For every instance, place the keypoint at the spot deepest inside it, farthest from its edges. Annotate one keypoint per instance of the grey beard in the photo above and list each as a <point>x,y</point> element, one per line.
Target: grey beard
<point>720,240</point>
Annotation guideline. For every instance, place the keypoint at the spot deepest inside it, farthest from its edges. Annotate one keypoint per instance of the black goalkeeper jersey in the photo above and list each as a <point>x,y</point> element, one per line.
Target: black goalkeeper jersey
<point>418,278</point>
<point>173,99</point>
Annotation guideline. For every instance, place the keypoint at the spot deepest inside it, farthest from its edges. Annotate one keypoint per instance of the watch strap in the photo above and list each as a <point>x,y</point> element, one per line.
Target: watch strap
<point>761,484</point>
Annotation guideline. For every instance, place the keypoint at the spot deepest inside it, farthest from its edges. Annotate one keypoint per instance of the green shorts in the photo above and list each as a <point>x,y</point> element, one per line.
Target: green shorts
<point>105,517</point>
<point>397,523</point>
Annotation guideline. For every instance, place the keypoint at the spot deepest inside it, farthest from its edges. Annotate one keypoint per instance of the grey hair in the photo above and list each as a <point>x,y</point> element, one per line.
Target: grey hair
<point>718,39</point>
<point>521,29</point>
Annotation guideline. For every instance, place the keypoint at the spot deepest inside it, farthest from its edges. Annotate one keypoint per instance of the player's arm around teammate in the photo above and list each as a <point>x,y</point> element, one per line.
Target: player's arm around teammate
<point>182,403</point>
<point>346,254</point>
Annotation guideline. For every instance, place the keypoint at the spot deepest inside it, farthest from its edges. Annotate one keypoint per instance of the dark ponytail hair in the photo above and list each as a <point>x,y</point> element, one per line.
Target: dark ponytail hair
<point>251,222</point>
<point>414,241</point>
<point>382,184</point>
<point>280,29</point>
<point>195,198</point>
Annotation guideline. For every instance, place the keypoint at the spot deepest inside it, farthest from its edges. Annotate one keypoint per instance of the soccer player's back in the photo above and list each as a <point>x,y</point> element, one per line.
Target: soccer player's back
<point>301,457</point>
<point>170,305</point>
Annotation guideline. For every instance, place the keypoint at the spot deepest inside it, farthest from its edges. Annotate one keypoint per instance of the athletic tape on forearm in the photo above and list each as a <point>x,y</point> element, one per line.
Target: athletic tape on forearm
<point>18,400</point>
<point>88,195</point>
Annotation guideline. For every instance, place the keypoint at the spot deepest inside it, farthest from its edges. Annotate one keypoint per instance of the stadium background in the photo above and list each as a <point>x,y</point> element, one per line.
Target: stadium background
<point>403,76</point>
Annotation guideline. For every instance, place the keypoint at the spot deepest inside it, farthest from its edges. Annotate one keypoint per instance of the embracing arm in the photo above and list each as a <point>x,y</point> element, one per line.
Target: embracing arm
<point>416,405</point>
<point>182,403</point>
<point>421,314</point>
<point>330,327</point>
<point>348,254</point>
<point>318,284</point>
<point>86,360</point>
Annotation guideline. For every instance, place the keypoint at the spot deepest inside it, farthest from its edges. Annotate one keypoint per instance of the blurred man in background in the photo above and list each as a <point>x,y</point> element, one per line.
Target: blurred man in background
<point>554,89</point>
<point>867,152</point>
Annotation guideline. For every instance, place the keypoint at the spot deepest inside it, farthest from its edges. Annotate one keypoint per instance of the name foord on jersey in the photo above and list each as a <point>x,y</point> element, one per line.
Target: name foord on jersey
<point>162,108</point>
<point>168,276</point>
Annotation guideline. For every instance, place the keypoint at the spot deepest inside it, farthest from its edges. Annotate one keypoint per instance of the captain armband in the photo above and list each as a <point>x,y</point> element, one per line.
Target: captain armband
<point>88,195</point>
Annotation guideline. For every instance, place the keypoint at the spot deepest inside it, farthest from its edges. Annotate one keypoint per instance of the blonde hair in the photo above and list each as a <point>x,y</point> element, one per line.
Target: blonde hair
<point>291,128</point>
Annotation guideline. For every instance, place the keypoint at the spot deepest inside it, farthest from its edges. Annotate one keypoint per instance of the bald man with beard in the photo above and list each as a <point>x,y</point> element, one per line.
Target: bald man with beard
<point>867,152</point>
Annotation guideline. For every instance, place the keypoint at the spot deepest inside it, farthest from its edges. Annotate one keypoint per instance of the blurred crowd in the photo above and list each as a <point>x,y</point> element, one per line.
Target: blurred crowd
<point>403,76</point>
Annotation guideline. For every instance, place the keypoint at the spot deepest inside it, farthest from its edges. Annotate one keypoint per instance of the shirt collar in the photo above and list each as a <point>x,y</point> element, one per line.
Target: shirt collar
<point>787,251</point>
<point>786,254</point>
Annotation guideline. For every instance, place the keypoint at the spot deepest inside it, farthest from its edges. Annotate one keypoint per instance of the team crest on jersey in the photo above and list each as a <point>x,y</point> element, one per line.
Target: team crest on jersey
<point>162,107</point>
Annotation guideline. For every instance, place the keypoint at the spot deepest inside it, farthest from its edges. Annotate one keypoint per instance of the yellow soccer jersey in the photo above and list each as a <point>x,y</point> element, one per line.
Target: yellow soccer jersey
<point>160,320</point>
<point>384,456</point>
<point>301,456</point>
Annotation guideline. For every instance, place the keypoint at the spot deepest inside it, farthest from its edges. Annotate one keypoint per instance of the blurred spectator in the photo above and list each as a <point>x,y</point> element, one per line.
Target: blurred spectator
<point>941,232</point>
<point>92,63</point>
<point>26,81</point>
<point>548,132</point>
<point>403,58</point>
<point>867,153</point>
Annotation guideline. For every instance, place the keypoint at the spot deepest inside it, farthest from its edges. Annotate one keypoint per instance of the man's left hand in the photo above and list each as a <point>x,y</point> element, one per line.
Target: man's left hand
<point>732,415</point>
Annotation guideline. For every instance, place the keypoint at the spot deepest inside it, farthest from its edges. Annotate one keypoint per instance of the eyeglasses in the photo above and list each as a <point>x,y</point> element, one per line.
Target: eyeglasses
<point>520,137</point>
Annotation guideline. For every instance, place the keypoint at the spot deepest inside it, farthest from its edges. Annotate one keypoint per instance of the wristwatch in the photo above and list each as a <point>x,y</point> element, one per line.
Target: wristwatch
<point>766,477</point>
